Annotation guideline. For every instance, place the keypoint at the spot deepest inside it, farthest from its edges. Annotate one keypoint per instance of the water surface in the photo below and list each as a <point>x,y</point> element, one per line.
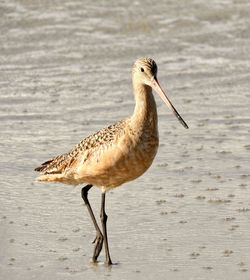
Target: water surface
<point>65,73</point>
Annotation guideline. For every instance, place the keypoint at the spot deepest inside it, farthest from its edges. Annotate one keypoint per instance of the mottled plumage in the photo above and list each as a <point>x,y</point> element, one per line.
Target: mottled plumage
<point>116,154</point>
<point>63,162</point>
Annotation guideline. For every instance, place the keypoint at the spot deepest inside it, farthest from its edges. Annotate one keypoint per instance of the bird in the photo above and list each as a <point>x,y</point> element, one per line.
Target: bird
<point>116,154</point>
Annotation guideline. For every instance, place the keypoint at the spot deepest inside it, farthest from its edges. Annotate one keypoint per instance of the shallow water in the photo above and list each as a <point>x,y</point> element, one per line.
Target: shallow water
<point>65,73</point>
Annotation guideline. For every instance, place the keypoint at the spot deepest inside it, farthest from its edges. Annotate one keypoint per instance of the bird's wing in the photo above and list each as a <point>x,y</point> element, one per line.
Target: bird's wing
<point>86,146</point>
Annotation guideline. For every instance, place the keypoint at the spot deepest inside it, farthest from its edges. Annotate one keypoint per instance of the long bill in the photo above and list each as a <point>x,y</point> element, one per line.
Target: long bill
<point>155,85</point>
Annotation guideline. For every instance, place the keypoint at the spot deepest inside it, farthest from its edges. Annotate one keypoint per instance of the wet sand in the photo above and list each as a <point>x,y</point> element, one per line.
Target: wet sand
<point>65,73</point>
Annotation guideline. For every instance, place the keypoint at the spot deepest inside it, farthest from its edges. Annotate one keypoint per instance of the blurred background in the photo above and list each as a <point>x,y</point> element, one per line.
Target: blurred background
<point>65,72</point>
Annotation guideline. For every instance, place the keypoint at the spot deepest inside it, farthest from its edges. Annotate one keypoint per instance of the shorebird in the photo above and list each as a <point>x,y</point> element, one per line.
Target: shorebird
<point>116,154</point>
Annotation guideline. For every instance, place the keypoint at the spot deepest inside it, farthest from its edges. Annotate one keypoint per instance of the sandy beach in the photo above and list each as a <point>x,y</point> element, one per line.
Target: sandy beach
<point>66,73</point>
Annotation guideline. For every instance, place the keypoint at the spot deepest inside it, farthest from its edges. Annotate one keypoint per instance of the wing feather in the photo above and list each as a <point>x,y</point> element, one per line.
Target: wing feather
<point>58,164</point>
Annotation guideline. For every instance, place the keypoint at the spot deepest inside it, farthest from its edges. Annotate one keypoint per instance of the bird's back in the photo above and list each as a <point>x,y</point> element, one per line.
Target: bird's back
<point>62,163</point>
<point>107,158</point>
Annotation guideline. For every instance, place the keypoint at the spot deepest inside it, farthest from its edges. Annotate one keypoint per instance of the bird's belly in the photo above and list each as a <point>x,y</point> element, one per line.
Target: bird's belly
<point>118,164</point>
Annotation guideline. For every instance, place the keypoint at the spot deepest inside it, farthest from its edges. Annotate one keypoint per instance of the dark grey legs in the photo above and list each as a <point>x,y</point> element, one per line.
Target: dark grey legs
<point>104,218</point>
<point>99,236</point>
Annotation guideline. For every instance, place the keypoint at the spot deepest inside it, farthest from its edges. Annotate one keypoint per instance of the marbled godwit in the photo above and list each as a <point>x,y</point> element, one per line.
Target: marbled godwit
<point>116,154</point>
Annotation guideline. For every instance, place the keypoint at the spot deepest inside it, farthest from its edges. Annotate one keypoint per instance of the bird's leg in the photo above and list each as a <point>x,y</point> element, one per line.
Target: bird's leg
<point>104,218</point>
<point>99,237</point>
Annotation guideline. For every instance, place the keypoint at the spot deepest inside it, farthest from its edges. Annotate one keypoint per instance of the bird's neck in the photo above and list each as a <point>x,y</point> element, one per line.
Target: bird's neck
<point>145,113</point>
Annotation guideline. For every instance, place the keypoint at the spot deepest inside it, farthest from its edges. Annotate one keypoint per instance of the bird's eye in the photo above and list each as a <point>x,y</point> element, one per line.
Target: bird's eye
<point>142,69</point>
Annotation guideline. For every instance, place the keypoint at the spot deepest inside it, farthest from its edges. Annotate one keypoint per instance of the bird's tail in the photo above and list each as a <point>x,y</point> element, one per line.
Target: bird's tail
<point>53,166</point>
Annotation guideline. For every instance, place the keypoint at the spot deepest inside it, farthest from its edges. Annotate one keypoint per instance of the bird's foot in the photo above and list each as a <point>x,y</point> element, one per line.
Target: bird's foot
<point>108,262</point>
<point>98,241</point>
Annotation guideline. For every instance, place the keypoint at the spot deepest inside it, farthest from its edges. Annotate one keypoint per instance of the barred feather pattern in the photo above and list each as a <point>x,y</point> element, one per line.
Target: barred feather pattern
<point>104,136</point>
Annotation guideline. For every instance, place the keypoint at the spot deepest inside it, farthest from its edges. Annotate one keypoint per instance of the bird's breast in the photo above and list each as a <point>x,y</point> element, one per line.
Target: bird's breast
<point>128,157</point>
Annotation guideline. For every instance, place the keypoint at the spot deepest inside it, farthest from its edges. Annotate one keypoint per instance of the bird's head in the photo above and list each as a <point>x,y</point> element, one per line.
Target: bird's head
<point>145,73</point>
